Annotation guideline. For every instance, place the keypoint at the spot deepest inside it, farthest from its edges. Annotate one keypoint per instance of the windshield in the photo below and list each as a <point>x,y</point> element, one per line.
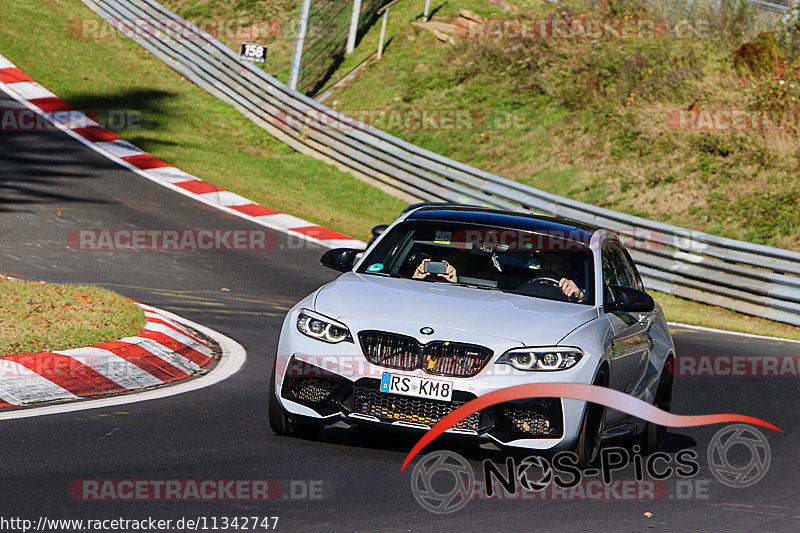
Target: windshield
<point>541,265</point>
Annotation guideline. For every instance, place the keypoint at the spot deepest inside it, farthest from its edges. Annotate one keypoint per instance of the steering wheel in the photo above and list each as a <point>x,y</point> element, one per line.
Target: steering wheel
<point>543,279</point>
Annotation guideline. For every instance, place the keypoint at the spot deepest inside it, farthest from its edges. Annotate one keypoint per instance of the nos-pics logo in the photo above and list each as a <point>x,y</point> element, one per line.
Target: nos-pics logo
<point>443,481</point>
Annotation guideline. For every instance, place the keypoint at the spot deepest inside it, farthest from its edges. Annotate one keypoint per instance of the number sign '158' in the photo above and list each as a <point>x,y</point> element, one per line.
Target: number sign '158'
<point>253,52</point>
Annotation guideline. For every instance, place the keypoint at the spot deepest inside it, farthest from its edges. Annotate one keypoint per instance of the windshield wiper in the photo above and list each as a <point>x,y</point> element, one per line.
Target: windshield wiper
<point>472,285</point>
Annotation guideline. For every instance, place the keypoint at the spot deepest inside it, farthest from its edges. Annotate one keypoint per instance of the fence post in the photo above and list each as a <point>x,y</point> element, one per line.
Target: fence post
<point>302,25</point>
<point>383,32</point>
<point>351,36</point>
<point>427,13</point>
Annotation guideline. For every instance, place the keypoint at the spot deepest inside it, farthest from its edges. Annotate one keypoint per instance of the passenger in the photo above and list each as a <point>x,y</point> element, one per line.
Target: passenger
<point>451,275</point>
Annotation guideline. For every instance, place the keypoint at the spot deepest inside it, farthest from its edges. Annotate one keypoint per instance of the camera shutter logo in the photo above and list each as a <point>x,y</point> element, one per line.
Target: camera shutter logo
<point>432,473</point>
<point>733,475</point>
<point>528,480</point>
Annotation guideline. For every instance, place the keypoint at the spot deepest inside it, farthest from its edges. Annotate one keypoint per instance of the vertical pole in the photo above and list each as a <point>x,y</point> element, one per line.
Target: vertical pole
<point>426,14</point>
<point>383,32</point>
<point>302,25</point>
<point>351,36</point>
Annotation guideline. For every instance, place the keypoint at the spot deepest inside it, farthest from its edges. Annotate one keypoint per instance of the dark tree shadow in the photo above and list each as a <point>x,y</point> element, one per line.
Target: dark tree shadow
<point>38,167</point>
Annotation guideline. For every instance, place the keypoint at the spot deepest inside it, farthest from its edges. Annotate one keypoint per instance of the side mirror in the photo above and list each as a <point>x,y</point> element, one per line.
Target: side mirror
<point>629,300</point>
<point>341,259</point>
<point>377,231</point>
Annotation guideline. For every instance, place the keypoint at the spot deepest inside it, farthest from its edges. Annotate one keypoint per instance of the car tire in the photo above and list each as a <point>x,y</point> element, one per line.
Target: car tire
<point>652,438</point>
<point>284,424</point>
<point>590,438</point>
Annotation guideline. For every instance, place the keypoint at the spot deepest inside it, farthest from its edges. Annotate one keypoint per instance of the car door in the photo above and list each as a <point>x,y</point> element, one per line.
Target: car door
<point>631,342</point>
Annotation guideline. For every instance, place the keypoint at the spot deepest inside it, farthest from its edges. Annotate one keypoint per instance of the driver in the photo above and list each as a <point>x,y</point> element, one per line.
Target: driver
<point>556,265</point>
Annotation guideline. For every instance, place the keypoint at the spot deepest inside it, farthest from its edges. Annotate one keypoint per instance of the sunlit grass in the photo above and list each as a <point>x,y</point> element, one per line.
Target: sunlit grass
<point>37,317</point>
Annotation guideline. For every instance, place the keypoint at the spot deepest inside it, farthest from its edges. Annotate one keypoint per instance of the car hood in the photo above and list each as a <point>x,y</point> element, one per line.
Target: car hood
<point>375,301</point>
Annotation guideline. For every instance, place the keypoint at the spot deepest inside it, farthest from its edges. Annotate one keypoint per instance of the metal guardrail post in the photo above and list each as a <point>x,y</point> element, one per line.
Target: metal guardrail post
<point>302,26</point>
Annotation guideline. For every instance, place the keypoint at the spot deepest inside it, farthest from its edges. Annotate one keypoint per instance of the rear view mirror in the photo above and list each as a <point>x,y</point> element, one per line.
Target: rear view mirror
<point>341,259</point>
<point>629,300</point>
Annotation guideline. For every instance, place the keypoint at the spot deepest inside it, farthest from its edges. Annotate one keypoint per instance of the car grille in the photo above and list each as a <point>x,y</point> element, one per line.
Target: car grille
<point>390,350</point>
<point>394,407</point>
<point>443,358</point>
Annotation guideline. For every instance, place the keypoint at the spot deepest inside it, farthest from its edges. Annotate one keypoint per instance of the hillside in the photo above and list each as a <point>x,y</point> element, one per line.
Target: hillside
<point>696,126</point>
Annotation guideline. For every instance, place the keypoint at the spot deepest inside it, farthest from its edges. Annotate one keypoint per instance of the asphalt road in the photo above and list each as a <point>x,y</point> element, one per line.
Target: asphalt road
<point>222,432</point>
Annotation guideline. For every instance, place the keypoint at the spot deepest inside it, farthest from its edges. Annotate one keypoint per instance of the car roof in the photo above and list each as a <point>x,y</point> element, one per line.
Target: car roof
<point>483,216</point>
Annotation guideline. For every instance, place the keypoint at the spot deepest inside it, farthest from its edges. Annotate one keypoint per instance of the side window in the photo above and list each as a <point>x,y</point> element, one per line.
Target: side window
<point>617,270</point>
<point>609,272</point>
<point>636,279</point>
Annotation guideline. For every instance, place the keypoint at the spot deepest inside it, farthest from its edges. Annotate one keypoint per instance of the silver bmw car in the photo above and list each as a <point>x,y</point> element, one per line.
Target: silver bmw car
<point>453,302</point>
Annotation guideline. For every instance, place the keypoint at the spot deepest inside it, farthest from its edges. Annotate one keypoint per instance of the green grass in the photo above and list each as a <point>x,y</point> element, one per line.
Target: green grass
<point>185,126</point>
<point>694,313</point>
<point>41,317</point>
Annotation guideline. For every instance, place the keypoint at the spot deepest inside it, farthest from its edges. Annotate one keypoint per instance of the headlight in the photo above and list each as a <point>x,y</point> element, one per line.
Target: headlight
<point>322,328</point>
<point>541,359</point>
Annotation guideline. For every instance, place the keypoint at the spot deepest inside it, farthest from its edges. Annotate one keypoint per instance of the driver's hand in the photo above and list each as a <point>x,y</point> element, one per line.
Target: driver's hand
<point>420,273</point>
<point>450,275</point>
<point>569,289</point>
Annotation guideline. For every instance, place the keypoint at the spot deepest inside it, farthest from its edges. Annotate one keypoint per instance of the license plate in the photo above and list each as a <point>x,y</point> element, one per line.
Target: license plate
<point>434,389</point>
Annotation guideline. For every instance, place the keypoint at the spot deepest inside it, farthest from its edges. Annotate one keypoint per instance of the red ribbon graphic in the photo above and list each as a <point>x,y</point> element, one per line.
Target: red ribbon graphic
<point>590,393</point>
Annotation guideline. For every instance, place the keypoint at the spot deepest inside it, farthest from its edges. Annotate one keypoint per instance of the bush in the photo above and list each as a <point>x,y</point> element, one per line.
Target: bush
<point>758,56</point>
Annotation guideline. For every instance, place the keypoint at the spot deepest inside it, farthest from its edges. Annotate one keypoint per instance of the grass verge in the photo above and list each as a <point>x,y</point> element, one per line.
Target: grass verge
<point>697,314</point>
<point>42,317</point>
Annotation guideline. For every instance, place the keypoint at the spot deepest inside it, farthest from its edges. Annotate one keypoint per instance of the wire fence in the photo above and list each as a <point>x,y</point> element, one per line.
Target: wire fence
<point>326,40</point>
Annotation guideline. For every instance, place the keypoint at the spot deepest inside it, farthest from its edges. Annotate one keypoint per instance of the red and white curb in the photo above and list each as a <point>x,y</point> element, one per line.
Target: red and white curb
<point>76,124</point>
<point>163,352</point>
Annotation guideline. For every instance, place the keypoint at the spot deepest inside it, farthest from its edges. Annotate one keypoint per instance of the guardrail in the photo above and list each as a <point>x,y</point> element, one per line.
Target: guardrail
<point>750,278</point>
<point>770,6</point>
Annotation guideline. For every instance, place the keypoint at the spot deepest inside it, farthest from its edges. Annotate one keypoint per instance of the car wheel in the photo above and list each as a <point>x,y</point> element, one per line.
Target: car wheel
<point>652,438</point>
<point>282,423</point>
<point>587,447</point>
